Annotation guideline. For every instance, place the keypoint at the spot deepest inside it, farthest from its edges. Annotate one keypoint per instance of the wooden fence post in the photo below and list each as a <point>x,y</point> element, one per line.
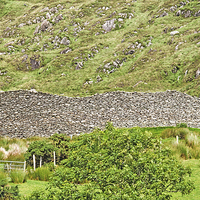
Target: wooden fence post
<point>40,161</point>
<point>24,165</point>
<point>177,139</point>
<point>54,158</point>
<point>34,162</point>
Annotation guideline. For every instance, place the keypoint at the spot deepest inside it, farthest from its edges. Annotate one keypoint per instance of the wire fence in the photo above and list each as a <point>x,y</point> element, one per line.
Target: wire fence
<point>12,165</point>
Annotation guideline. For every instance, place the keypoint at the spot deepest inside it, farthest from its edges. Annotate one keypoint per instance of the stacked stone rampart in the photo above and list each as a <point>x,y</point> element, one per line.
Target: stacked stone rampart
<point>25,113</point>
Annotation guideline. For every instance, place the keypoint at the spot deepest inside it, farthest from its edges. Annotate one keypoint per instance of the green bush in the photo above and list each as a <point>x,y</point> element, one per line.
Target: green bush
<point>40,148</point>
<point>9,193</point>
<point>42,173</point>
<point>18,176</point>
<point>181,125</point>
<point>3,179</point>
<point>117,164</point>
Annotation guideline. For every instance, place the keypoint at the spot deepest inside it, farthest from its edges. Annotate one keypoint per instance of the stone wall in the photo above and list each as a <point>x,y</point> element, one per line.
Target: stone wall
<point>25,113</point>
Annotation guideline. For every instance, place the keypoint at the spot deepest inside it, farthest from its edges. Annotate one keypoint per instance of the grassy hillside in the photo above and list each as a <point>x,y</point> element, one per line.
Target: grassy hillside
<point>79,47</point>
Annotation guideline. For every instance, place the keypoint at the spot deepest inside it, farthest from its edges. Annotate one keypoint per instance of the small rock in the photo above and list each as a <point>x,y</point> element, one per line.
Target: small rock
<point>65,41</point>
<point>35,62</point>
<point>65,51</point>
<point>48,16</point>
<point>109,25</point>
<point>21,25</point>
<point>45,9</point>
<point>178,13</point>
<point>99,79</point>
<point>197,73</point>
<point>188,14</point>
<point>173,8</point>
<point>164,14</point>
<point>37,30</point>
<point>174,33</point>
<point>45,24</point>
<point>186,72</point>
<point>79,65</point>
<point>23,50</point>
<point>53,10</point>
<point>197,14</point>
<point>58,18</point>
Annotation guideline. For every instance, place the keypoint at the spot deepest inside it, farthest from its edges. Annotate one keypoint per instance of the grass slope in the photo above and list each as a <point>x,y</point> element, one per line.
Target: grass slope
<point>137,54</point>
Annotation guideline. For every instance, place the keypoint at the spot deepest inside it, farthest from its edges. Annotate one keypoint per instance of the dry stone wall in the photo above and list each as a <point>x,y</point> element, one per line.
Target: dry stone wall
<point>25,113</point>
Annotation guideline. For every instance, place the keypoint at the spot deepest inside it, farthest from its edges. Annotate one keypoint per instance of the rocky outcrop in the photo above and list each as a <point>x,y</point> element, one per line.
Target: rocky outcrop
<point>30,113</point>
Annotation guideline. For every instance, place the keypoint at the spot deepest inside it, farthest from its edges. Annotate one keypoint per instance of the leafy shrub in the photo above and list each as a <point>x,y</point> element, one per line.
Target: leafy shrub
<point>3,179</point>
<point>18,176</point>
<point>117,164</point>
<point>40,148</point>
<point>181,125</point>
<point>9,193</point>
<point>41,173</point>
<point>60,141</point>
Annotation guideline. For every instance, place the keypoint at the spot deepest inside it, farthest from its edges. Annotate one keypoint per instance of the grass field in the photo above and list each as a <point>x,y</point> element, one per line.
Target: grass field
<point>31,185</point>
<point>195,166</point>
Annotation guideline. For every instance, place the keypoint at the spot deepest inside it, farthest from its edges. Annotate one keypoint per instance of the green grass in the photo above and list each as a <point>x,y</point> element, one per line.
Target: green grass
<point>25,189</point>
<point>195,166</point>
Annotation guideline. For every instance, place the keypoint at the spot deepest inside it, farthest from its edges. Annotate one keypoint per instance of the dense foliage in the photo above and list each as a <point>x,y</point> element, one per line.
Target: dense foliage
<point>117,164</point>
<point>9,193</point>
<point>60,141</point>
<point>42,149</point>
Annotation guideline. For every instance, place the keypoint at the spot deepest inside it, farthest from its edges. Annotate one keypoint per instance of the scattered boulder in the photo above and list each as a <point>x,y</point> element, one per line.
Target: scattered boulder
<point>65,41</point>
<point>24,58</point>
<point>53,10</point>
<point>130,52</point>
<point>197,14</point>
<point>21,25</point>
<point>45,9</point>
<point>29,23</point>
<point>164,14</point>
<point>174,33</point>
<point>188,14</point>
<point>48,16</point>
<point>186,72</point>
<point>109,25</point>
<point>45,24</point>
<point>37,30</point>
<point>58,18</point>
<point>173,8</point>
<point>197,73</point>
<point>79,65</point>
<point>99,79</point>
<point>65,51</point>
<point>178,13</point>
<point>35,62</point>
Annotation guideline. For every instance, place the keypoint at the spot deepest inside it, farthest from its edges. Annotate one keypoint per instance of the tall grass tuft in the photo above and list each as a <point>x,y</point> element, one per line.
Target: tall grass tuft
<point>184,151</point>
<point>192,140</point>
<point>18,176</point>
<point>42,174</point>
<point>173,132</point>
<point>3,178</point>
